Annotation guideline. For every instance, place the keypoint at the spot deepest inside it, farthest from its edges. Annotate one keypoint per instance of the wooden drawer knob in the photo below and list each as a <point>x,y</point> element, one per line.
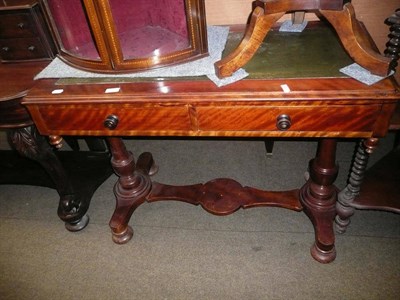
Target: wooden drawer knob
<point>283,122</point>
<point>111,122</point>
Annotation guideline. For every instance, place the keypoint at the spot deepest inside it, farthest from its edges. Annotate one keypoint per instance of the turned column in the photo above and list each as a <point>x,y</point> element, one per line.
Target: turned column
<point>130,191</point>
<point>346,197</point>
<point>393,45</point>
<point>318,197</point>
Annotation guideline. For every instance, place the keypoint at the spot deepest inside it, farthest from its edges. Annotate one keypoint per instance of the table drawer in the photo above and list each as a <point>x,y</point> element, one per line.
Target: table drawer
<point>16,25</point>
<point>80,119</point>
<point>156,119</point>
<point>23,48</point>
<point>299,118</point>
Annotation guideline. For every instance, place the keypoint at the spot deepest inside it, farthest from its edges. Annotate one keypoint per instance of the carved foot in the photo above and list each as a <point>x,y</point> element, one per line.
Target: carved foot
<point>321,255</point>
<point>122,237</point>
<point>79,224</point>
<point>72,207</point>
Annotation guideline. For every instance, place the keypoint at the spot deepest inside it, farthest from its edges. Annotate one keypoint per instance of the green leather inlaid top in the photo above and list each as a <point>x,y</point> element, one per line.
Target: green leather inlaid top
<point>315,52</point>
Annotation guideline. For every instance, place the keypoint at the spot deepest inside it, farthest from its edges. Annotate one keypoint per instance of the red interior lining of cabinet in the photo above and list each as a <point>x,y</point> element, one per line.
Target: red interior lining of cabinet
<point>145,28</point>
<point>72,26</point>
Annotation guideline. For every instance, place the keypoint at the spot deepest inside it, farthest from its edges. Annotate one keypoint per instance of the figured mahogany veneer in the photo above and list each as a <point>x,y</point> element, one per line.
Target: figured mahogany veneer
<point>339,107</point>
<point>203,120</point>
<point>326,107</point>
<point>248,108</point>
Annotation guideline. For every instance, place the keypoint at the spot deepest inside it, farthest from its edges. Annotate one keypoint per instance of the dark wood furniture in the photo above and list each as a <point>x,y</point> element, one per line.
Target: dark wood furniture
<point>39,165</point>
<point>23,32</point>
<point>25,39</point>
<point>293,95</point>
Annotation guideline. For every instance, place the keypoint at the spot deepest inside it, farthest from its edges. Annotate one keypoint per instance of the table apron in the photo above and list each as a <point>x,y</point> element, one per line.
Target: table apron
<point>213,120</point>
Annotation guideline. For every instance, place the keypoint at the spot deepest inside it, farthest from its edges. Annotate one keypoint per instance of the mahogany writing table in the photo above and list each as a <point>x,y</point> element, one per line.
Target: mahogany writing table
<point>294,91</point>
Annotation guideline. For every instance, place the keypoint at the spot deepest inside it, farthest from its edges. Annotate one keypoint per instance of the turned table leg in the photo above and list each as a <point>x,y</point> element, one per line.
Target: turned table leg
<point>131,189</point>
<point>352,189</point>
<point>318,197</point>
<point>71,209</point>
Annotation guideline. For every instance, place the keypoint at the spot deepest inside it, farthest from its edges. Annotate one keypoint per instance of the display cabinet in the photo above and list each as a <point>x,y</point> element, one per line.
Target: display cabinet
<point>127,35</point>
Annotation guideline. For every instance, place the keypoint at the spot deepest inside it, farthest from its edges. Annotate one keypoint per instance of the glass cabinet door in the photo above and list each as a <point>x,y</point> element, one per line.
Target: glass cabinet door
<point>127,35</point>
<point>151,29</point>
<point>73,29</point>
